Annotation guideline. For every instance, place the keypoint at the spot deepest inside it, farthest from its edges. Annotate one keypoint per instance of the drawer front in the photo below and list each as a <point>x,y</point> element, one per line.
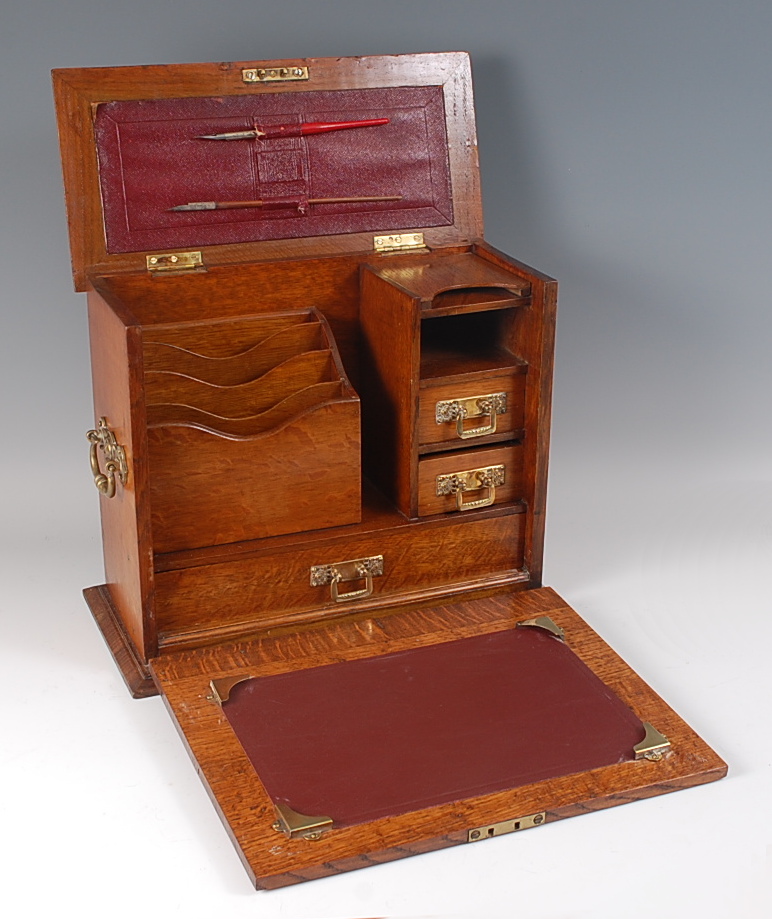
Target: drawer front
<point>420,560</point>
<point>492,402</point>
<point>466,480</point>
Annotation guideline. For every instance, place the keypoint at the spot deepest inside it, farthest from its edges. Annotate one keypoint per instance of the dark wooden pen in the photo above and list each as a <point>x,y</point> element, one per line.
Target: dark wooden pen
<point>280,203</point>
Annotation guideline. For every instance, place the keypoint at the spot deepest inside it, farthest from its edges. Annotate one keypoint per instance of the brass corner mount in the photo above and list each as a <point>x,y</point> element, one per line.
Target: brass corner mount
<point>653,746</point>
<point>299,826</point>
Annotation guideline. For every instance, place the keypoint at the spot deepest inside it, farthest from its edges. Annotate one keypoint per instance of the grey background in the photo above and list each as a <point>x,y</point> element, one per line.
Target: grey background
<point>625,149</point>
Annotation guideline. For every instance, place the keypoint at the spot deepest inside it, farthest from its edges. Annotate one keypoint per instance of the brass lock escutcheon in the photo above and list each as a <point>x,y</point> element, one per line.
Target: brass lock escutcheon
<point>274,74</point>
<point>506,826</point>
<point>456,483</point>
<point>102,438</point>
<point>458,410</point>
<point>353,570</point>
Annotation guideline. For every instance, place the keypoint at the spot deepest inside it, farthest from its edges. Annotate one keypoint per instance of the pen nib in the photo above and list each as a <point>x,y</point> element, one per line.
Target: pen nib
<point>195,206</point>
<point>232,135</point>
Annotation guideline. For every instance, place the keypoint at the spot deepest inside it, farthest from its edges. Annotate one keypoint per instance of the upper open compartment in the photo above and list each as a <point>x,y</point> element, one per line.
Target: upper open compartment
<point>335,151</point>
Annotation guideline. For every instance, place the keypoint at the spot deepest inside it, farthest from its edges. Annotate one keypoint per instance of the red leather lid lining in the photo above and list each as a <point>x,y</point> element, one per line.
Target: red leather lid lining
<point>150,159</point>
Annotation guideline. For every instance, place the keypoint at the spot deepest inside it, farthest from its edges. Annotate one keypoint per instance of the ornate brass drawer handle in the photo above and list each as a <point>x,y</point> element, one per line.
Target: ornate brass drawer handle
<point>353,570</point>
<point>456,483</point>
<point>458,410</point>
<point>102,438</point>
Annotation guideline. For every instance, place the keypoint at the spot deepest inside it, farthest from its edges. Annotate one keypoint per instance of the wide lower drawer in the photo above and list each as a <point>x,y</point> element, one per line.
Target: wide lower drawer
<point>466,480</point>
<point>416,561</point>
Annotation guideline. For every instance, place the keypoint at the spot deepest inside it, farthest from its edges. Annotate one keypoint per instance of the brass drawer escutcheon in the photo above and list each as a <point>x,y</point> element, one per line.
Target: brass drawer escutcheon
<point>456,483</point>
<point>102,438</point>
<point>457,410</point>
<point>353,570</point>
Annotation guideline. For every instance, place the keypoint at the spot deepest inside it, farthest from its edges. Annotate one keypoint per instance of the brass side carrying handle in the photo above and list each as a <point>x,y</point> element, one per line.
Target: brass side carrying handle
<point>489,406</point>
<point>456,483</point>
<point>102,438</point>
<point>352,570</point>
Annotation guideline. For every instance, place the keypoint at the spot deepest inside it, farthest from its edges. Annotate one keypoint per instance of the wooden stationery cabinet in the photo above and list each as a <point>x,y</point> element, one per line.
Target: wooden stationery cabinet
<point>321,426</point>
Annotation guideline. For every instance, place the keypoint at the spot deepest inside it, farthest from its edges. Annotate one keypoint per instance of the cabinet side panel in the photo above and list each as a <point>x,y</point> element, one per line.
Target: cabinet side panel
<point>537,344</point>
<point>389,389</point>
<point>533,340</point>
<point>116,360</point>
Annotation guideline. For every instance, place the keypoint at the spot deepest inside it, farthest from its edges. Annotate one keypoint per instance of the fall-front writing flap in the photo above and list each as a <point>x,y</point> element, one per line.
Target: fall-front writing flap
<point>374,738</point>
<point>276,159</point>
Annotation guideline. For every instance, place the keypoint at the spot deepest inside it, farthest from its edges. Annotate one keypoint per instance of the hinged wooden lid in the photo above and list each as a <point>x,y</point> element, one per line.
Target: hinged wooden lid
<point>134,146</point>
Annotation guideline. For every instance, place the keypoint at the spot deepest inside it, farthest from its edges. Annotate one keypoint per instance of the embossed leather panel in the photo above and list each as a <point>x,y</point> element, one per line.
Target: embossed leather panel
<point>150,159</point>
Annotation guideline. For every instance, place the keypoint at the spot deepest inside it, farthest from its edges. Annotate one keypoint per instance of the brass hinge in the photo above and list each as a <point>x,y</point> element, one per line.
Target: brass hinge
<point>175,261</point>
<point>506,826</point>
<point>273,74</point>
<point>398,242</point>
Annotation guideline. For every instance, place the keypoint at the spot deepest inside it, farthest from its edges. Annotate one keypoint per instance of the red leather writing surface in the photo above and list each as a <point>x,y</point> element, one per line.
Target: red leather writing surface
<point>150,159</point>
<point>372,738</point>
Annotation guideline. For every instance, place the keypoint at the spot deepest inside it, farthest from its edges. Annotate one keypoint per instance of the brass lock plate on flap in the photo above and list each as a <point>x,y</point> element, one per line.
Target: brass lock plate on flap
<point>506,826</point>
<point>490,405</point>
<point>351,570</point>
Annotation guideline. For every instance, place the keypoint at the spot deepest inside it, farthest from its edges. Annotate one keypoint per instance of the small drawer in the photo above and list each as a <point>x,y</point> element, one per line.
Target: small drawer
<point>463,411</point>
<point>467,480</point>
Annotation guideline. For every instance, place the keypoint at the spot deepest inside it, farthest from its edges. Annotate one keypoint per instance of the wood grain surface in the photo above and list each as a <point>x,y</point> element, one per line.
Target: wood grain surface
<point>266,589</point>
<point>129,661</point>
<point>510,456</point>
<point>215,338</point>
<point>116,362</point>
<point>474,278</point>
<point>238,368</point>
<point>240,400</point>
<point>445,434</point>
<point>247,811</point>
<point>78,91</point>
<point>303,473</point>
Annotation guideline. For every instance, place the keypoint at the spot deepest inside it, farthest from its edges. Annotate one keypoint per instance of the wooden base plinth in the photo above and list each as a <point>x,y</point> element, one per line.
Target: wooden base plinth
<point>134,672</point>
